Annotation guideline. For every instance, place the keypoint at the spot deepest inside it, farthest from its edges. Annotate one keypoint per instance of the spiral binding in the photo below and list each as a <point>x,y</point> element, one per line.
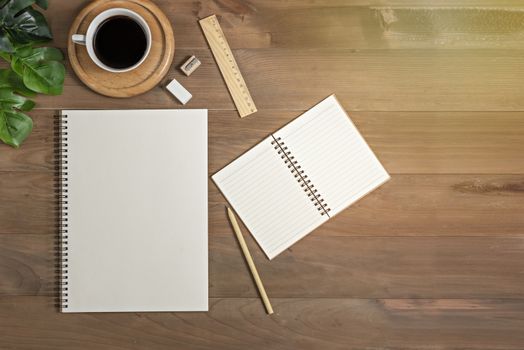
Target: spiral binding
<point>299,174</point>
<point>63,266</point>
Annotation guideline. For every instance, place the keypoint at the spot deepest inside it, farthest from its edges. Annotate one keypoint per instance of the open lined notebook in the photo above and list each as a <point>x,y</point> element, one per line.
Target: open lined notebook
<point>300,176</point>
<point>133,210</point>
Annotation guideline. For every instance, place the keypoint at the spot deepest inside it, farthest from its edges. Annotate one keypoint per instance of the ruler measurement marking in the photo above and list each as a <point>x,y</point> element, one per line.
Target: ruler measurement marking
<point>228,66</point>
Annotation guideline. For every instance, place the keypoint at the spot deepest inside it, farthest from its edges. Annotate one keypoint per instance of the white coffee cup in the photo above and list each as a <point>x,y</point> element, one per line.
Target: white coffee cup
<point>89,38</point>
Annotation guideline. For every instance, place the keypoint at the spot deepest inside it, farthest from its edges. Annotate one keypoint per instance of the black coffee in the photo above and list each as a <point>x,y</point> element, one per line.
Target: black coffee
<point>120,42</point>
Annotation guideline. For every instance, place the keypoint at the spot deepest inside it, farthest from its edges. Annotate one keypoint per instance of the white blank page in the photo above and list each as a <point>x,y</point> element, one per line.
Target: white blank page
<point>137,210</point>
<point>333,155</point>
<point>268,199</point>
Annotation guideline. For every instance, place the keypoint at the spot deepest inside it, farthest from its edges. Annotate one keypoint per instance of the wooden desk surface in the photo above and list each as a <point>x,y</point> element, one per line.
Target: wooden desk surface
<point>432,260</point>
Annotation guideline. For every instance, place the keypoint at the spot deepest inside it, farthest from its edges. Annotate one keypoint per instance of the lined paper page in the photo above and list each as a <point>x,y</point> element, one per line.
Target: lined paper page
<point>268,199</point>
<point>333,155</point>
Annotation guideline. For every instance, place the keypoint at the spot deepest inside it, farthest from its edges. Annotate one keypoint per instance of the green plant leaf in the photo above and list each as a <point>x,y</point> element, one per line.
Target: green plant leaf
<point>12,7</point>
<point>32,69</point>
<point>39,54</point>
<point>46,78</point>
<point>40,69</point>
<point>16,62</point>
<point>28,27</point>
<point>4,78</point>
<point>42,4</point>
<point>23,24</point>
<point>8,99</point>
<point>9,79</point>
<point>14,127</point>
<point>5,43</point>
<point>17,66</point>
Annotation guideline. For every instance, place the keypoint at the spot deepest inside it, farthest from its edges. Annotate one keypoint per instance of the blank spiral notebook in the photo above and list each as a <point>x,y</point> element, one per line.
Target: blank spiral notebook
<point>133,190</point>
<point>300,176</point>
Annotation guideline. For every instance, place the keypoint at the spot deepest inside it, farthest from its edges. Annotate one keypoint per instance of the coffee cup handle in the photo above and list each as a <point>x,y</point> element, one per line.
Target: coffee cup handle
<point>79,39</point>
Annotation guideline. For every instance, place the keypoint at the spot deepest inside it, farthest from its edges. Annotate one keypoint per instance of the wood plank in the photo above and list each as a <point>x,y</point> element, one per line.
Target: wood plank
<point>375,267</point>
<point>422,205</point>
<point>320,267</point>
<point>28,203</point>
<point>417,142</point>
<point>408,205</point>
<point>369,80</point>
<point>28,266</point>
<point>37,152</point>
<point>343,24</point>
<point>406,143</point>
<point>440,245</point>
<point>32,323</point>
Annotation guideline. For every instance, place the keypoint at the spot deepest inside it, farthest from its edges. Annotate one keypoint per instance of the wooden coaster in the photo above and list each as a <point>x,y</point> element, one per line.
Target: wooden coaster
<point>140,79</point>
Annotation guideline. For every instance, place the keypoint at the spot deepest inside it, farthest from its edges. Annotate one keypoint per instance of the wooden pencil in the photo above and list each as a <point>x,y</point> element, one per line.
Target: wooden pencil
<point>250,262</point>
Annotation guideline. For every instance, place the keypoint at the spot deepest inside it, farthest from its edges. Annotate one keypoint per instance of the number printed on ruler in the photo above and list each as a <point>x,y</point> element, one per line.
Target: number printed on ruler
<point>228,66</point>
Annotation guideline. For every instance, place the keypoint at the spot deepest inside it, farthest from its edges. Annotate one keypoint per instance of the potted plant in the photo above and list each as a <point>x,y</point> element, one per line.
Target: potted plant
<point>32,68</point>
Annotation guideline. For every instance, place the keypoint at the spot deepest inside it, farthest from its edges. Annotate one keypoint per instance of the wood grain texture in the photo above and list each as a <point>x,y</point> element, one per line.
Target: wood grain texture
<point>408,205</point>
<point>298,324</point>
<point>343,24</point>
<point>406,143</point>
<point>319,267</point>
<point>367,80</point>
<point>432,260</point>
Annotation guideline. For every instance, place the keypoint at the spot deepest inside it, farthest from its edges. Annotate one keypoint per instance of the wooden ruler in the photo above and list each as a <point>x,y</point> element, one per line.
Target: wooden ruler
<point>228,66</point>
